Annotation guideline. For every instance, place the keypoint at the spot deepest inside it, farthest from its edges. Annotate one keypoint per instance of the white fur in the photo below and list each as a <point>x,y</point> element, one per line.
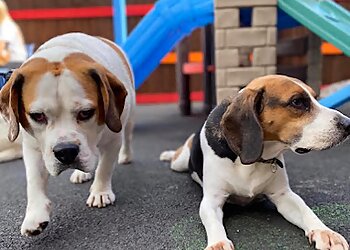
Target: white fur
<point>58,97</point>
<point>227,181</point>
<point>322,132</point>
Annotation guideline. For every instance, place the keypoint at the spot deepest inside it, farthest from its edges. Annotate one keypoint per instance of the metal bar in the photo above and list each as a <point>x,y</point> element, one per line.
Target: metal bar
<point>119,22</point>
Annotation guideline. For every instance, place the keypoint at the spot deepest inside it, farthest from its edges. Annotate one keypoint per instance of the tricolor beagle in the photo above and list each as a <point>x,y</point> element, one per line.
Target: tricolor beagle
<point>238,154</point>
<point>74,99</point>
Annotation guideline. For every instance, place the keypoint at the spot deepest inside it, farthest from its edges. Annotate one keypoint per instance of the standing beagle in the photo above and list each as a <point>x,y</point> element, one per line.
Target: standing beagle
<point>238,154</point>
<point>75,100</point>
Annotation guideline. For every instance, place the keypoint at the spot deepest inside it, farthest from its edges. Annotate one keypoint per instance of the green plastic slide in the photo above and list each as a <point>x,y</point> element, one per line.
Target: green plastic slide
<point>325,18</point>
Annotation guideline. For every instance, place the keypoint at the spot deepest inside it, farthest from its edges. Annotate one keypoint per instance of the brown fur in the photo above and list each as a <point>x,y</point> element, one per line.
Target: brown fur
<point>281,122</point>
<point>105,90</point>
<point>177,153</point>
<point>262,113</point>
<point>16,96</point>
<point>241,127</point>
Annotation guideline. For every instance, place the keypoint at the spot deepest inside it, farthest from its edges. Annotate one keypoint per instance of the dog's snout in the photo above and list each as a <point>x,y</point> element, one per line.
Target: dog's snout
<point>66,152</point>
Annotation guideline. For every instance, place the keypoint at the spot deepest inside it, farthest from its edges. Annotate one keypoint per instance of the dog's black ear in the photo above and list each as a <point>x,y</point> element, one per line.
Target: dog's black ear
<point>11,104</point>
<point>112,95</point>
<point>241,126</point>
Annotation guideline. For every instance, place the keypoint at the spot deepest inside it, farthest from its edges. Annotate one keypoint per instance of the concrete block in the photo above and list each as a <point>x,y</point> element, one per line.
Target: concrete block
<point>270,70</point>
<point>226,18</point>
<point>271,36</point>
<point>264,56</point>
<point>246,37</point>
<point>219,39</point>
<point>226,58</point>
<point>223,93</point>
<point>264,16</point>
<point>242,76</point>
<point>220,77</point>
<point>243,3</point>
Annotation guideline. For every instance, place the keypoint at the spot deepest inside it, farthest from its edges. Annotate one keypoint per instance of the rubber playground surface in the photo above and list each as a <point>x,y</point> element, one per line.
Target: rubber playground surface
<point>158,209</point>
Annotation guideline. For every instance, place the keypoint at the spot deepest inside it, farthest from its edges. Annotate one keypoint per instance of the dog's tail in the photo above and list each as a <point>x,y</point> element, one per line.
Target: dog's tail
<point>179,158</point>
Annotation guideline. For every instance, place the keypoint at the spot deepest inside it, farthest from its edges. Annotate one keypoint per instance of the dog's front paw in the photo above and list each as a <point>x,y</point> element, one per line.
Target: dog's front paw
<point>100,198</point>
<point>36,220</point>
<point>327,240</point>
<point>80,177</point>
<point>221,245</point>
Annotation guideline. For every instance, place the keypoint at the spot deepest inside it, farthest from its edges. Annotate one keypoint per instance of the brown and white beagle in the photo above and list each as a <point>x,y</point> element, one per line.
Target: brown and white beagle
<point>238,154</point>
<point>75,100</point>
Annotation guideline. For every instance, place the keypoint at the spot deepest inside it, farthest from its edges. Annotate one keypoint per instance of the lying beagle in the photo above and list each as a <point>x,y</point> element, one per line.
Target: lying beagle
<point>74,99</point>
<point>238,154</point>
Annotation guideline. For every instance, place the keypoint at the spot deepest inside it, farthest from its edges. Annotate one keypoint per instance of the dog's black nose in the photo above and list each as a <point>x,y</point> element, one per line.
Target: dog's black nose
<point>66,152</point>
<point>344,123</point>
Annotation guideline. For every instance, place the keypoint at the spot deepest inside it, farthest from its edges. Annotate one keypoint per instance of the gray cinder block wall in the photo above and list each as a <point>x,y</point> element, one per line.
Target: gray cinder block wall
<point>231,41</point>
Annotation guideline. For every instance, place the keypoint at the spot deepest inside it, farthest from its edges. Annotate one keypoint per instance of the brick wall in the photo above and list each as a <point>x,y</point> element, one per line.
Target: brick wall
<point>235,45</point>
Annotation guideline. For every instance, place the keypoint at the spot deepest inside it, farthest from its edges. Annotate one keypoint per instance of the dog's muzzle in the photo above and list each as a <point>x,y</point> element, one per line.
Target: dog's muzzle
<point>344,124</point>
<point>66,153</point>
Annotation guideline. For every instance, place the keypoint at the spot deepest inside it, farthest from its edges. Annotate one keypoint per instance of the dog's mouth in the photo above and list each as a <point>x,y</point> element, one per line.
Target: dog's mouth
<point>302,150</point>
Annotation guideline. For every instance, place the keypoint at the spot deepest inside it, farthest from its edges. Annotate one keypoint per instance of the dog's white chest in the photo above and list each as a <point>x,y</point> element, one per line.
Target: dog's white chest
<point>248,180</point>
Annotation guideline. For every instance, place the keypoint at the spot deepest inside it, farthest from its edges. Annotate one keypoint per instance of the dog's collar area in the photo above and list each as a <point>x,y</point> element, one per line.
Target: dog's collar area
<point>273,161</point>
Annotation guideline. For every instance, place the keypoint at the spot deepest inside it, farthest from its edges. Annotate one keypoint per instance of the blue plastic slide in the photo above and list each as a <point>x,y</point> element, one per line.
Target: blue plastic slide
<point>171,20</point>
<point>165,25</point>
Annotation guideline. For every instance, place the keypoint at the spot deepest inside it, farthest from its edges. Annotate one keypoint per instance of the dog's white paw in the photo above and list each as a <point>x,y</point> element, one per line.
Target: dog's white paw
<point>100,198</point>
<point>328,240</point>
<point>80,177</point>
<point>221,245</point>
<point>125,156</point>
<point>36,220</point>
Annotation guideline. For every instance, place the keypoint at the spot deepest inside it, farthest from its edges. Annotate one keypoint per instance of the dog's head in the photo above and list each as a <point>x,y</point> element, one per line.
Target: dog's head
<point>282,109</point>
<point>64,106</point>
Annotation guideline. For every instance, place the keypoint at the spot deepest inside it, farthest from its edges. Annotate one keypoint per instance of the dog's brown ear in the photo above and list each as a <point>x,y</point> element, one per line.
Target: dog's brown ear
<point>241,127</point>
<point>112,94</point>
<point>11,102</point>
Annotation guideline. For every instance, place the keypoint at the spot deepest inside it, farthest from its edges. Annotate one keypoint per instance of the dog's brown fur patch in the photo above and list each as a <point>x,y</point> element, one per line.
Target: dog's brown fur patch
<point>279,121</point>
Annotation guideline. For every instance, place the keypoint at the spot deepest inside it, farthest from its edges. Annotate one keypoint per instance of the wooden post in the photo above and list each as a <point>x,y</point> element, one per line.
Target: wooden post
<point>208,49</point>
<point>183,80</point>
<point>314,57</point>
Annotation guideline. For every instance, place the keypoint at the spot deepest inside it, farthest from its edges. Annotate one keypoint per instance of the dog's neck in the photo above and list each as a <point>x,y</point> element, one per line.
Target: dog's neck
<point>273,149</point>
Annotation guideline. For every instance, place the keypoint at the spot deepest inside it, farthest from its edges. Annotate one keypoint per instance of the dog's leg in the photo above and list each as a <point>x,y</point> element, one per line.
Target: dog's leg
<point>126,153</point>
<point>80,177</point>
<point>211,214</point>
<point>294,209</point>
<point>38,205</point>
<point>101,193</point>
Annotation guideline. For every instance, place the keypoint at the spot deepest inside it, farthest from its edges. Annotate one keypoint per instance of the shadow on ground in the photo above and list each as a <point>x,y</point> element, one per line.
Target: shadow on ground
<point>158,209</point>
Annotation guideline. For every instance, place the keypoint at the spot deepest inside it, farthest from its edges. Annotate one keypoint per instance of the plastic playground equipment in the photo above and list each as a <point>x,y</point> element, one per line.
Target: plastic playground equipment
<point>171,20</point>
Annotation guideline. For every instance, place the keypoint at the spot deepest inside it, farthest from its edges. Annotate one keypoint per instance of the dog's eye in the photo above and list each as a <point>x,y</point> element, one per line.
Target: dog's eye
<point>38,117</point>
<point>85,115</point>
<point>300,103</point>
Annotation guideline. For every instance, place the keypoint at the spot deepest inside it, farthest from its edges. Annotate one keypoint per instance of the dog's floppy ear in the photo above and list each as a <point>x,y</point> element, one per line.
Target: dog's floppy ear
<point>11,103</point>
<point>112,94</point>
<point>241,127</point>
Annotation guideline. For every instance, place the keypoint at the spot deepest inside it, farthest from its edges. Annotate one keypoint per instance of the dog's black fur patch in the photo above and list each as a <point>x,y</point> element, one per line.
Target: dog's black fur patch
<point>215,139</point>
<point>195,163</point>
<point>214,135</point>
